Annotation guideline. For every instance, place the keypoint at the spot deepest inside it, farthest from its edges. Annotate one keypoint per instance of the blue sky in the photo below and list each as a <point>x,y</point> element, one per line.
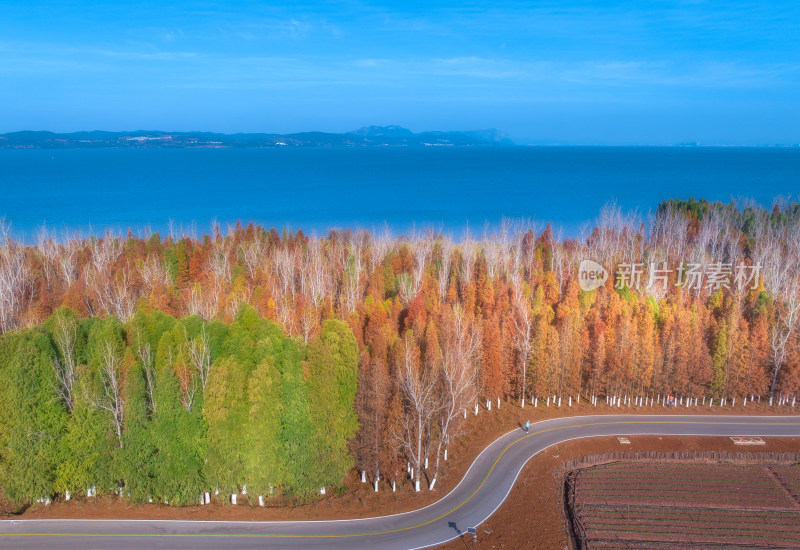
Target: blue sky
<point>545,72</point>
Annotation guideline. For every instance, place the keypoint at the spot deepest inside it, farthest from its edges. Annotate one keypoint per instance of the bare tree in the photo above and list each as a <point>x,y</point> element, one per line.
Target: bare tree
<point>67,265</point>
<point>496,246</point>
<point>284,264</point>
<point>353,269</point>
<point>422,249</point>
<point>105,251</point>
<point>204,304</point>
<point>446,248</point>
<point>48,253</point>
<point>458,378</point>
<point>253,253</point>
<point>522,317</point>
<point>219,259</point>
<point>199,354</point>
<point>284,308</point>
<point>777,252</point>
<point>405,288</point>
<point>116,296</point>
<point>152,272</point>
<point>145,354</point>
<point>16,286</point>
<point>65,366</point>
<point>110,397</point>
<point>418,388</point>
<point>380,245</point>
<point>315,279</point>
<point>469,249</point>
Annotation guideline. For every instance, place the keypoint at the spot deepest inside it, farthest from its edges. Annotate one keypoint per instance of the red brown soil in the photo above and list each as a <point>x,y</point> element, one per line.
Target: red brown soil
<point>360,500</point>
<point>533,514</point>
<point>688,503</point>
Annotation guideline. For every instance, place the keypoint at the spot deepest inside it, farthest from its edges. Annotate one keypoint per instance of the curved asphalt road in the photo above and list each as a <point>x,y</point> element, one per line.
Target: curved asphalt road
<point>475,498</point>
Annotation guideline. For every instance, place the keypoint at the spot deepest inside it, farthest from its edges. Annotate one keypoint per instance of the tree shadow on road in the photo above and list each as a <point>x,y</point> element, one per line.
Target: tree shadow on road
<point>452,525</point>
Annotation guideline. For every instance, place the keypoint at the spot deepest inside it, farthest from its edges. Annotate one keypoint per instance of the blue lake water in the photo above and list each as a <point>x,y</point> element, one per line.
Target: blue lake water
<point>317,188</point>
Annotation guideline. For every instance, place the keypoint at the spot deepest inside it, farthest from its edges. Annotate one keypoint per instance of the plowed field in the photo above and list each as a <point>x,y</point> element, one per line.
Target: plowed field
<point>685,505</point>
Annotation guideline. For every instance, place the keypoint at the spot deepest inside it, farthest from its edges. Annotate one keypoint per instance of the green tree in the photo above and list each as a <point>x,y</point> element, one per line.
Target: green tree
<point>32,418</point>
<point>262,460</point>
<point>178,433</point>
<point>332,382</point>
<point>296,447</point>
<point>717,385</point>
<point>225,413</point>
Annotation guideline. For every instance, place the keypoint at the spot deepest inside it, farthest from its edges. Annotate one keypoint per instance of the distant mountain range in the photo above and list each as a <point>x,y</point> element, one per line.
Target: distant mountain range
<point>369,136</point>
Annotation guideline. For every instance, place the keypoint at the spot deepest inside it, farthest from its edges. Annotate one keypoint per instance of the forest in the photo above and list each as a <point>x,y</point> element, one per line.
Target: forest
<point>165,367</point>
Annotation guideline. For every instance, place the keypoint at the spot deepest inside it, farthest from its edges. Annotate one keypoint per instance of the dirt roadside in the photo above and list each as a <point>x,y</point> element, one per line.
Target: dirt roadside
<point>532,516</point>
<point>358,499</point>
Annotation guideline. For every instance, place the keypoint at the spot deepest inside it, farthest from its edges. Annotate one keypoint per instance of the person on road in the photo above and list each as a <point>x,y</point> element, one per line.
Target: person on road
<point>527,426</point>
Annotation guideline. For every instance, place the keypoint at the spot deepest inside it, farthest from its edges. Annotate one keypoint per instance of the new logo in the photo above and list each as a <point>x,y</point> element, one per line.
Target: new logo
<point>591,275</point>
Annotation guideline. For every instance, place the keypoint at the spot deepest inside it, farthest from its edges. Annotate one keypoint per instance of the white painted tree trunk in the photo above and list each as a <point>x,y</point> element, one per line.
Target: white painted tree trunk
<point>548,400</point>
<point>261,500</point>
<point>376,485</point>
<point>426,462</point>
<point>498,403</point>
<point>445,455</point>
<point>476,409</point>
<point>488,404</point>
<point>66,496</point>
<point>233,499</point>
<point>244,490</point>
<point>570,400</point>
<point>322,491</point>
<point>433,483</point>
<point>559,402</point>
<point>535,402</point>
<point>363,476</point>
<point>744,403</point>
<point>208,498</point>
<point>416,486</point>
<point>394,486</point>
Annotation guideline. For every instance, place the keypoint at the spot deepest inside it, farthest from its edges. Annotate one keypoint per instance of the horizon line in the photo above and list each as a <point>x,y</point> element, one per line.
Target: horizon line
<point>517,142</point>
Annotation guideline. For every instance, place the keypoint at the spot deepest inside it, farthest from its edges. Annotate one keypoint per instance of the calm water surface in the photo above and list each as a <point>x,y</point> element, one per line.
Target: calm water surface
<point>314,189</point>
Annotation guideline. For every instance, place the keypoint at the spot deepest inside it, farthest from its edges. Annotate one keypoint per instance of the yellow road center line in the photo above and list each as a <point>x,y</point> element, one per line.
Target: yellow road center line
<point>400,529</point>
